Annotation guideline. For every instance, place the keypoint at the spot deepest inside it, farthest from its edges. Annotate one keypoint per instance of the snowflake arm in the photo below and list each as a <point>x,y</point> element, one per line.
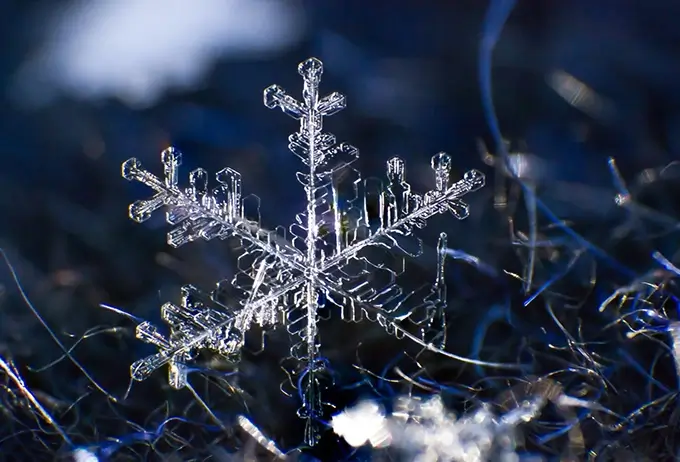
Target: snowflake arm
<point>200,213</point>
<point>315,149</point>
<point>399,214</point>
<point>194,325</point>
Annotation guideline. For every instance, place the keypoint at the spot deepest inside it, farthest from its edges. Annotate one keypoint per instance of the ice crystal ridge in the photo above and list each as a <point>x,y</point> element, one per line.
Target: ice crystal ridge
<point>333,253</point>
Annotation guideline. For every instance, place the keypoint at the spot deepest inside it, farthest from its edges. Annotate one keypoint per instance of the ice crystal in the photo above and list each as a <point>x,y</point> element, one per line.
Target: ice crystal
<point>339,250</point>
<point>427,431</point>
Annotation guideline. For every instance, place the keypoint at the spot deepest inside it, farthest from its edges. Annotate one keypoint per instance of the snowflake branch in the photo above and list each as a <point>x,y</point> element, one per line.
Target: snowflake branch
<point>390,323</point>
<point>172,350</point>
<point>203,214</point>
<point>436,201</point>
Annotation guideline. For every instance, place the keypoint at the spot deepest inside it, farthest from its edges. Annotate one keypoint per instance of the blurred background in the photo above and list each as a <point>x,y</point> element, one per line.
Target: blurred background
<point>87,84</point>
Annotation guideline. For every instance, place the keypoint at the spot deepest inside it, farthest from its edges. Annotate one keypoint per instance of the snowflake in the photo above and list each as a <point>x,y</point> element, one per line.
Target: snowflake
<point>340,250</point>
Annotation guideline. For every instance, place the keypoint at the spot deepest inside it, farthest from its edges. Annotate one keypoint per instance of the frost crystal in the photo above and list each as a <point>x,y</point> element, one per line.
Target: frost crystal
<point>425,430</point>
<point>339,250</point>
<point>429,432</point>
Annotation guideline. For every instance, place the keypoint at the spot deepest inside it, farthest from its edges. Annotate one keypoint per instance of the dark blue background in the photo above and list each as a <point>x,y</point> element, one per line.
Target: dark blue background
<point>409,70</point>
